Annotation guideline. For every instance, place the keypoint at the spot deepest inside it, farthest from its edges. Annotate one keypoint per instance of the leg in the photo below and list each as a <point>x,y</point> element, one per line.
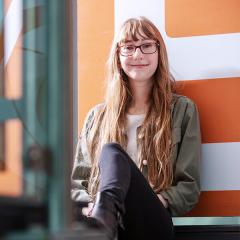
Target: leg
<point>145,217</point>
<point>112,190</point>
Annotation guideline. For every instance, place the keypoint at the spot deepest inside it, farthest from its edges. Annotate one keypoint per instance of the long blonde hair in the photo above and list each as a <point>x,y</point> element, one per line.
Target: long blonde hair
<point>109,123</point>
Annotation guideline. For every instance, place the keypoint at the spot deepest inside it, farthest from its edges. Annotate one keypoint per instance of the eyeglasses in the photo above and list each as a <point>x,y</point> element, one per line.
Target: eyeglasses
<point>146,48</point>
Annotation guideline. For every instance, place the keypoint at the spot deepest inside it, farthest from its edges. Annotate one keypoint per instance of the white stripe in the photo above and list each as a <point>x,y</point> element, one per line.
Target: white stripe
<point>220,166</point>
<point>12,28</point>
<point>191,58</point>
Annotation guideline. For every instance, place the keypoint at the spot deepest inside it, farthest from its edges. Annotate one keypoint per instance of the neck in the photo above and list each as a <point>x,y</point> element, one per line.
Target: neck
<point>140,92</point>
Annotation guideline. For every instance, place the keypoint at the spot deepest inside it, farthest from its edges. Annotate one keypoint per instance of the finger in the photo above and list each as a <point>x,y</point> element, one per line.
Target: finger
<point>90,205</point>
<point>85,211</point>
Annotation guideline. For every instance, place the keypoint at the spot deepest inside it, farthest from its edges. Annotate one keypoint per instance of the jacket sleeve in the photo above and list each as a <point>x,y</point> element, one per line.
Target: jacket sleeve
<point>185,191</point>
<point>81,166</point>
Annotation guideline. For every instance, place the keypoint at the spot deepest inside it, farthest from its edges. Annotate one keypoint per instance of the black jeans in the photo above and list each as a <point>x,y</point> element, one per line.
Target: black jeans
<point>144,216</point>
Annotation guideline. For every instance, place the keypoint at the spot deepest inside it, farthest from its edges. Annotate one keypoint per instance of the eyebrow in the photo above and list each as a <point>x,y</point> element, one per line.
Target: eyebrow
<point>144,39</point>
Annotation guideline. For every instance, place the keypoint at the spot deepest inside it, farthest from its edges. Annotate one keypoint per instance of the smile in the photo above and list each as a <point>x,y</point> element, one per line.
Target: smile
<point>139,65</point>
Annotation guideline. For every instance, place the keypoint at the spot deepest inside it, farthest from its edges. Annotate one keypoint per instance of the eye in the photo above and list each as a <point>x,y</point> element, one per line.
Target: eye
<point>147,45</point>
<point>128,47</point>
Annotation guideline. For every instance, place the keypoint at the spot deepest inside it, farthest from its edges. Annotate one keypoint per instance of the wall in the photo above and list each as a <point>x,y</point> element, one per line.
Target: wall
<point>203,44</point>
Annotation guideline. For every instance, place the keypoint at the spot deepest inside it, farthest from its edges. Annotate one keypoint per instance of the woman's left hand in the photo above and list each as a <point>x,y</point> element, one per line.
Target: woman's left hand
<point>163,200</point>
<point>87,211</point>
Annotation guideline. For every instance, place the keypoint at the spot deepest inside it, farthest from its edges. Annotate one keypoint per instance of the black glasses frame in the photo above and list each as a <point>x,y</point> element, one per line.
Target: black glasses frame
<point>136,47</point>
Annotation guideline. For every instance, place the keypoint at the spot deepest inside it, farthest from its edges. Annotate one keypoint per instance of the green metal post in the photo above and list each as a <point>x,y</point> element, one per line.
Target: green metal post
<point>34,114</point>
<point>59,115</point>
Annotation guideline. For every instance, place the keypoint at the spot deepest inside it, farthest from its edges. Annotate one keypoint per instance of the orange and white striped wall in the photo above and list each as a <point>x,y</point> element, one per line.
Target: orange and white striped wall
<point>203,43</point>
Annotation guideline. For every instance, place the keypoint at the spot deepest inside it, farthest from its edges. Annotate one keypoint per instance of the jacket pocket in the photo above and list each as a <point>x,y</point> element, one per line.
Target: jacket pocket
<point>176,135</point>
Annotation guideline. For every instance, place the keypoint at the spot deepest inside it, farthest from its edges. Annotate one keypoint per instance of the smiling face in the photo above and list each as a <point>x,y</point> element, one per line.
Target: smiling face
<point>139,67</point>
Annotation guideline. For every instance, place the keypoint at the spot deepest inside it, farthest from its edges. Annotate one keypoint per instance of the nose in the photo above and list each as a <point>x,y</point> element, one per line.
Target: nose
<point>137,52</point>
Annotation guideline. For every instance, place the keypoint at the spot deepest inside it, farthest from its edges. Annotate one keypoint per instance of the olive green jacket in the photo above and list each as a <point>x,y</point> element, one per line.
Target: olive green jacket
<point>185,190</point>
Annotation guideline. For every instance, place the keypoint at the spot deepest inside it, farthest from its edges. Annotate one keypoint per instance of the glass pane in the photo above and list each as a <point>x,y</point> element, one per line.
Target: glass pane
<point>2,163</point>
<point>13,49</point>
<point>1,48</point>
<point>23,40</point>
<point>10,62</point>
<point>36,111</point>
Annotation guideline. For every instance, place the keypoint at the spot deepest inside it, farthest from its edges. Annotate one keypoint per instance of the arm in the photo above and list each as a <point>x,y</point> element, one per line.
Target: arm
<point>80,175</point>
<point>185,191</point>
<point>82,165</point>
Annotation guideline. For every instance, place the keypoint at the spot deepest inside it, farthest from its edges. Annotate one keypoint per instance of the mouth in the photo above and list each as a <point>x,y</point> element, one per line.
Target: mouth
<point>139,65</point>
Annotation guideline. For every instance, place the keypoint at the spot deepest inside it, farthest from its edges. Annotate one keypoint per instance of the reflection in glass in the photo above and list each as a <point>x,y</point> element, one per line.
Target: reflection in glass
<point>2,133</point>
<point>11,177</point>
<point>2,147</point>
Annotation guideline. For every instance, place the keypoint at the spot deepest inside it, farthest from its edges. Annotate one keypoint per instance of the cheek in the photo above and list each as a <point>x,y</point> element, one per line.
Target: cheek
<point>123,63</point>
<point>122,60</point>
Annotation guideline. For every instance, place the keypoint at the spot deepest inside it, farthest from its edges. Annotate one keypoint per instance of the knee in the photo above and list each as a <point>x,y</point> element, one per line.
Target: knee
<point>110,152</point>
<point>112,147</point>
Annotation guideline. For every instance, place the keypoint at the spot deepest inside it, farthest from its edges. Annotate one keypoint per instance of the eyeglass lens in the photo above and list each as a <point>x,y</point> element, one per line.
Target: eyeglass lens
<point>146,48</point>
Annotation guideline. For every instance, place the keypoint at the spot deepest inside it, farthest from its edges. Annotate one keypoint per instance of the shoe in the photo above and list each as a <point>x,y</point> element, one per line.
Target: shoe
<point>106,212</point>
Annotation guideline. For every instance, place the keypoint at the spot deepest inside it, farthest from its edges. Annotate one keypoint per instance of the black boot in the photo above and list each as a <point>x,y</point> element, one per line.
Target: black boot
<point>107,213</point>
<point>113,187</point>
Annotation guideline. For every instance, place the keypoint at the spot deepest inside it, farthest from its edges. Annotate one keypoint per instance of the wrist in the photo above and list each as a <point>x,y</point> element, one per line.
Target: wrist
<point>163,200</point>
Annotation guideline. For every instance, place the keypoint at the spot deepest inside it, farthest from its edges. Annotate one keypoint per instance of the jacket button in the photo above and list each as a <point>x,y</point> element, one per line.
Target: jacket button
<point>140,136</point>
<point>145,162</point>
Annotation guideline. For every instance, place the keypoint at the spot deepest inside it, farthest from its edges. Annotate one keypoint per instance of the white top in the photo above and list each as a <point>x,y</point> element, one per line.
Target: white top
<point>133,122</point>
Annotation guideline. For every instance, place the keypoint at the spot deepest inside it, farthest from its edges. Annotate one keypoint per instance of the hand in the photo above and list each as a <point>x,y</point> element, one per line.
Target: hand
<point>87,211</point>
<point>163,200</point>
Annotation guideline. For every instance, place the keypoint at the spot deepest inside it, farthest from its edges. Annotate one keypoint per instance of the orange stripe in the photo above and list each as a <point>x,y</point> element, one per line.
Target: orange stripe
<point>217,203</point>
<point>13,72</point>
<point>11,179</point>
<point>218,103</point>
<point>186,18</point>
<point>95,33</point>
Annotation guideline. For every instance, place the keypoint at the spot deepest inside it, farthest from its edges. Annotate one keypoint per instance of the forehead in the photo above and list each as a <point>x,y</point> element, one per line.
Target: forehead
<point>134,34</point>
<point>137,38</point>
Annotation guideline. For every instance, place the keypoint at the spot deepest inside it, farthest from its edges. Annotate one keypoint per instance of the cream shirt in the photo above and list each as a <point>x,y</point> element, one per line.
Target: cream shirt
<point>133,122</point>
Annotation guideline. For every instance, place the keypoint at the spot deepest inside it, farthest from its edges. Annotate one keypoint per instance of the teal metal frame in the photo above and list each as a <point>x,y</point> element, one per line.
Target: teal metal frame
<point>9,109</point>
<point>54,131</point>
<point>59,113</point>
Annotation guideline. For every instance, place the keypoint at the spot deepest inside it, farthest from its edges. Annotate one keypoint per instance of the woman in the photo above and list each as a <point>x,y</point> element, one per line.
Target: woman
<point>138,155</point>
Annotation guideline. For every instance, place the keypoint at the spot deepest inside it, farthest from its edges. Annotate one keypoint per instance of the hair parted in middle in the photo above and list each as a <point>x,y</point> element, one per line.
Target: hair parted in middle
<point>109,123</point>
